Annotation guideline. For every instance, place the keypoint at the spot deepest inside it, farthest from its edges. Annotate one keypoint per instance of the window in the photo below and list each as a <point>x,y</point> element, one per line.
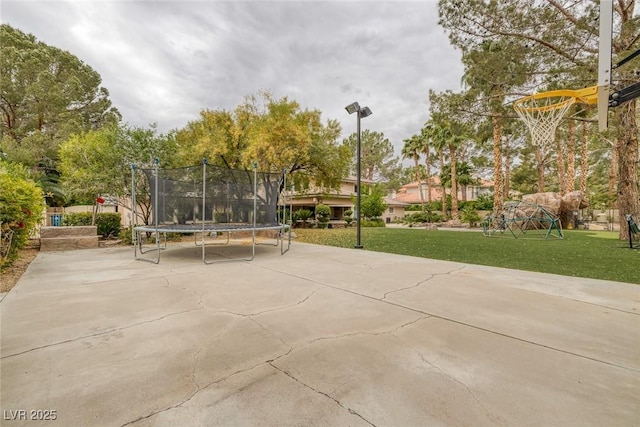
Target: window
<point>391,210</point>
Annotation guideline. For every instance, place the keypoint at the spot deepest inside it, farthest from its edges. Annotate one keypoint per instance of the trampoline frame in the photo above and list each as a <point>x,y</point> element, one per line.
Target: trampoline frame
<point>204,228</point>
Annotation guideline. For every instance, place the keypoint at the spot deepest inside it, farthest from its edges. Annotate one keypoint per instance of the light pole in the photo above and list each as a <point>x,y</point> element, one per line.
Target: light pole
<point>362,112</point>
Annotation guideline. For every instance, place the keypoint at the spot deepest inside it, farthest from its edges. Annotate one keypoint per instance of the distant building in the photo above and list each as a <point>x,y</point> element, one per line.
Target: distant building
<point>410,193</point>
<point>344,198</point>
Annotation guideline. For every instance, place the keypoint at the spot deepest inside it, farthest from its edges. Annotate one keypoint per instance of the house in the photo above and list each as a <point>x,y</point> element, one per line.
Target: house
<point>343,199</point>
<point>339,200</point>
<point>395,210</point>
<point>410,193</point>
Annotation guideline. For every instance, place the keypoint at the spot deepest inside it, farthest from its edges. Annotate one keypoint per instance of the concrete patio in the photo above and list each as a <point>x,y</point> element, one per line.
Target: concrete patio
<point>320,336</point>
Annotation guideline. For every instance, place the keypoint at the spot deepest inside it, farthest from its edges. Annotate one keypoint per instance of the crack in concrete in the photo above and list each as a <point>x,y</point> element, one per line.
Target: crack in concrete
<point>409,287</point>
<point>270,310</point>
<point>466,387</point>
<point>98,334</point>
<point>302,301</point>
<point>322,393</point>
<point>448,319</point>
<point>204,387</point>
<point>353,334</point>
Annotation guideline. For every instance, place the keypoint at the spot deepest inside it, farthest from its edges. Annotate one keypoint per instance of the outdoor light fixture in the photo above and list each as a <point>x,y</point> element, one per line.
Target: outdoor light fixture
<point>352,108</point>
<point>362,112</point>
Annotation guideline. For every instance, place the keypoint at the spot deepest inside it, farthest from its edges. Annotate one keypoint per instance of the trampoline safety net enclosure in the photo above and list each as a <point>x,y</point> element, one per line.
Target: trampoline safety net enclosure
<point>210,202</point>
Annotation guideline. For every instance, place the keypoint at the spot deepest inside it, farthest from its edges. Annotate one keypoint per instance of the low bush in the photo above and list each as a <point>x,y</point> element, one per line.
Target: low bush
<point>323,212</point>
<point>373,223</point>
<point>469,215</point>
<point>125,236</point>
<point>422,217</point>
<point>108,223</point>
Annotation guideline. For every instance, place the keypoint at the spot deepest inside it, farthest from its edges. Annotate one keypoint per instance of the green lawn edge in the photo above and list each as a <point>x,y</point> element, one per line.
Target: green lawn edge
<point>582,253</point>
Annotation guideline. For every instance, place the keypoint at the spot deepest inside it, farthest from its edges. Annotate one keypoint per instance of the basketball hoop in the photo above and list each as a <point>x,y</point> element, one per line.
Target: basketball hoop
<point>542,112</point>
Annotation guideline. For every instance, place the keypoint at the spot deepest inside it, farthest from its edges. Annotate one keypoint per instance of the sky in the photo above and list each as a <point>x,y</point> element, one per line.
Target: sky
<point>165,61</point>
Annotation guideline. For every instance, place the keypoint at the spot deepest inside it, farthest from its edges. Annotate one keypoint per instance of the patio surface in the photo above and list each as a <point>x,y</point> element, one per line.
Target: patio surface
<point>320,336</point>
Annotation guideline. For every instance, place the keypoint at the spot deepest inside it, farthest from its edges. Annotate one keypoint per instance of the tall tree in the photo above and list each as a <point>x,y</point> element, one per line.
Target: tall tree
<point>411,150</point>
<point>46,94</point>
<point>378,160</point>
<point>426,135</point>
<point>98,162</point>
<point>274,133</point>
<point>560,38</point>
<point>439,135</point>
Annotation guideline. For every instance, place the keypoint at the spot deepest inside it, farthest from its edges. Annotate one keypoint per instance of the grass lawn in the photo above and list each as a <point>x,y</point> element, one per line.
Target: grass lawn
<point>593,254</point>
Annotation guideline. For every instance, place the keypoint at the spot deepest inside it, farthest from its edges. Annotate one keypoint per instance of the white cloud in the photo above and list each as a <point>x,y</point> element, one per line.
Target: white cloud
<point>165,61</point>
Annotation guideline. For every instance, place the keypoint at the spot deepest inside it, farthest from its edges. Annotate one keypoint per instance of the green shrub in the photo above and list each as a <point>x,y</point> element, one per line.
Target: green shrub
<point>484,202</point>
<point>323,212</point>
<point>347,216</point>
<point>21,203</point>
<point>303,215</point>
<point>373,223</point>
<point>422,217</point>
<point>75,219</point>
<point>108,223</point>
<point>125,236</point>
<point>470,215</point>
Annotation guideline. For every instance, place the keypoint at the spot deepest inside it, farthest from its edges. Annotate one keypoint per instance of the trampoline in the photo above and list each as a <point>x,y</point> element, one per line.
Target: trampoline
<point>211,203</point>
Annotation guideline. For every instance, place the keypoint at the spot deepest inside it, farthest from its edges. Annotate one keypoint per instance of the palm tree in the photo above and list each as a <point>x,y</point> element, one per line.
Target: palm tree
<point>425,138</point>
<point>454,142</point>
<point>464,177</point>
<point>439,136</point>
<point>411,150</point>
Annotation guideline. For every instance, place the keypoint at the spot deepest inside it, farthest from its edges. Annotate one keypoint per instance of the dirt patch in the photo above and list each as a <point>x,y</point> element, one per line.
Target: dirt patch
<point>11,275</point>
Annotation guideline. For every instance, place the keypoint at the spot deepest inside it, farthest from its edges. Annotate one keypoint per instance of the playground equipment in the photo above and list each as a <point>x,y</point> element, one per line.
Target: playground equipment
<point>523,220</point>
<point>210,202</point>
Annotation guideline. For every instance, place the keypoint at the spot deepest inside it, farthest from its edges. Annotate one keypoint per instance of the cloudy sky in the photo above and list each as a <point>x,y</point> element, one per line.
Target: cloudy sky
<point>165,61</point>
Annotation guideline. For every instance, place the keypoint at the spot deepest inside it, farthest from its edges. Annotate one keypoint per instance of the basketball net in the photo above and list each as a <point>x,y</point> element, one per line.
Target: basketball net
<point>542,114</point>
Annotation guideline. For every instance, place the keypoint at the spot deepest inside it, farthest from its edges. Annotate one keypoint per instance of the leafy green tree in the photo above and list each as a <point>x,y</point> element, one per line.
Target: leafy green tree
<point>99,162</point>
<point>46,94</point>
<point>21,205</point>
<point>275,133</point>
<point>378,162</point>
<point>91,162</point>
<point>372,203</point>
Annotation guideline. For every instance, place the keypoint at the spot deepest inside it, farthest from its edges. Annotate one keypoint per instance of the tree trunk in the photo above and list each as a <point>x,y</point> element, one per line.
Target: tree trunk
<point>540,168</point>
<point>427,162</point>
<point>498,194</point>
<point>416,161</point>
<point>613,168</point>
<point>507,167</point>
<point>444,193</point>
<point>571,158</point>
<point>584,158</point>
<point>628,167</point>
<point>454,184</point>
<point>562,174</point>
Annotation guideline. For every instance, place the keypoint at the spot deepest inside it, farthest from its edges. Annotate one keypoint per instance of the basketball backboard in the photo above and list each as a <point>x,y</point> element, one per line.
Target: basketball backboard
<point>604,62</point>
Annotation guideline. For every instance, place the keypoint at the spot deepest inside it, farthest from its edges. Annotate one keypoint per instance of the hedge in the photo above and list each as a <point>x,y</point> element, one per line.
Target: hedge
<point>108,223</point>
